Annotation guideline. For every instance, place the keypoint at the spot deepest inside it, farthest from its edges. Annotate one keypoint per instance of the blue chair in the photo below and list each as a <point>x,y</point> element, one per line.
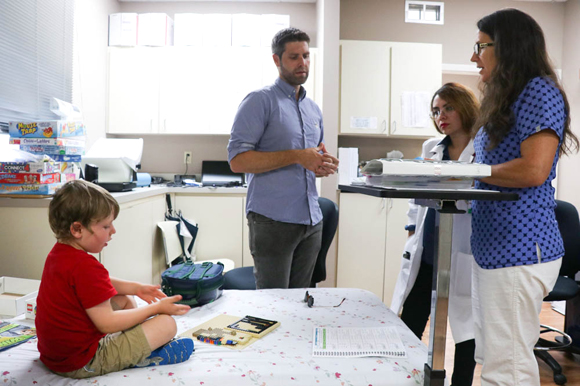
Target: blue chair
<point>243,278</point>
<point>566,288</point>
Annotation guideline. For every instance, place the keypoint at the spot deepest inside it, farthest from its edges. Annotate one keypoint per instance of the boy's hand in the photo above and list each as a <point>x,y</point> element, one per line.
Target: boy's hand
<point>168,306</point>
<point>150,293</point>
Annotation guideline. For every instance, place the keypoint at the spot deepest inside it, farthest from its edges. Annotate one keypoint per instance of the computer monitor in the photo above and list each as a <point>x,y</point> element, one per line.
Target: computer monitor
<point>218,173</point>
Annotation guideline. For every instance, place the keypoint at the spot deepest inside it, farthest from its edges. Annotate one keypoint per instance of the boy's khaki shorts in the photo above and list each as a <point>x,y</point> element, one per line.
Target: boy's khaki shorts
<point>116,352</point>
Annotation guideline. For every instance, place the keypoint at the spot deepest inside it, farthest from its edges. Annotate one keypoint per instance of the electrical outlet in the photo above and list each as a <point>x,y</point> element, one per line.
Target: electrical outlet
<point>187,157</point>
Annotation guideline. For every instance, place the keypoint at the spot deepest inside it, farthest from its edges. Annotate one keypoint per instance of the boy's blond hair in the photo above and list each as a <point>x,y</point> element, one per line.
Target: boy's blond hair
<point>80,201</point>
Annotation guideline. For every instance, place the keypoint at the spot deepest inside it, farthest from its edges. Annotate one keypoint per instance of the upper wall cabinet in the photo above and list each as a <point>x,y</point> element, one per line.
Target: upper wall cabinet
<point>184,90</point>
<point>386,87</point>
<point>133,103</point>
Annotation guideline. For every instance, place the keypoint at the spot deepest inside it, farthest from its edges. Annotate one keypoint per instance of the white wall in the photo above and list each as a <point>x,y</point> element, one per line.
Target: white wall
<point>568,181</point>
<point>328,32</point>
<point>90,63</point>
<point>385,20</point>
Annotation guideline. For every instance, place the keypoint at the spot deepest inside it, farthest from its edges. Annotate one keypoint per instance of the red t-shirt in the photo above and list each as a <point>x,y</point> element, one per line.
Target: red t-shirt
<point>72,281</point>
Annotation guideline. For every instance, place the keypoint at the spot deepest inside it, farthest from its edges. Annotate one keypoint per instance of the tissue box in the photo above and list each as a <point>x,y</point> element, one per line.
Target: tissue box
<point>123,29</point>
<point>155,29</point>
<point>15,293</point>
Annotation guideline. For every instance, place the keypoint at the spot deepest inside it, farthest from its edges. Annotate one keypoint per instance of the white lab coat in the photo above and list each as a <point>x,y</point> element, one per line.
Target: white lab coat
<point>460,314</point>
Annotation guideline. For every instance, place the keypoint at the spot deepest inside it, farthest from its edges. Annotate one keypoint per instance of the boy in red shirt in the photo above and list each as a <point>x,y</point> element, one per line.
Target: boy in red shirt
<point>88,323</point>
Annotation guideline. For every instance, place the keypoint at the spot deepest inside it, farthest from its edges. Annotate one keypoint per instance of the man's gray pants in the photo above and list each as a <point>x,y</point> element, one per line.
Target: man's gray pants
<point>284,253</point>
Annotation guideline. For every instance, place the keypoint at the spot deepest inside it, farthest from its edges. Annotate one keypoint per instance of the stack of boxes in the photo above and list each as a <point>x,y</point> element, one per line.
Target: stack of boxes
<point>57,147</point>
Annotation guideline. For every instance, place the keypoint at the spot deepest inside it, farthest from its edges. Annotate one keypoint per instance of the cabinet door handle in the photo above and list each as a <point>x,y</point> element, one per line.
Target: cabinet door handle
<point>394,125</point>
<point>384,126</point>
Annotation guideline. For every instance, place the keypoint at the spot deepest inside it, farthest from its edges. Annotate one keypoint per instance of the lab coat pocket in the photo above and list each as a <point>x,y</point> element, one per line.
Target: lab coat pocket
<point>461,274</point>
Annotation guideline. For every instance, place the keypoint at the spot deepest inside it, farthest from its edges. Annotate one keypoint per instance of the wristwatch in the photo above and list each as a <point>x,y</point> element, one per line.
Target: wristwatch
<point>410,228</point>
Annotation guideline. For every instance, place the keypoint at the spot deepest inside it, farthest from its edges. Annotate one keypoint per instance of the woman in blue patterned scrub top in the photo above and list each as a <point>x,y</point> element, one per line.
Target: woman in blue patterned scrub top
<point>524,127</point>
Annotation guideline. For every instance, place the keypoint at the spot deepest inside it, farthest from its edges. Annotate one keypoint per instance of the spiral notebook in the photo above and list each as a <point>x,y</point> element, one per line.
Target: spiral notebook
<point>357,342</point>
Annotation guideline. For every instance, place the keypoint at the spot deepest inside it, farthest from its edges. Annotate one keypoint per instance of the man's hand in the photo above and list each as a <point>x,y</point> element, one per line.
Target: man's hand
<point>150,293</point>
<point>330,163</point>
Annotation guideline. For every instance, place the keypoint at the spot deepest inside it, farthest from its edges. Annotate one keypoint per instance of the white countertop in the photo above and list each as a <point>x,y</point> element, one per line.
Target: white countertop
<point>123,197</point>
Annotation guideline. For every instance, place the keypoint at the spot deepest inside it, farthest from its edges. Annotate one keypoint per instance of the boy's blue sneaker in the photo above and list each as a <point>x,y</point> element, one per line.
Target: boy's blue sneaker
<point>176,351</point>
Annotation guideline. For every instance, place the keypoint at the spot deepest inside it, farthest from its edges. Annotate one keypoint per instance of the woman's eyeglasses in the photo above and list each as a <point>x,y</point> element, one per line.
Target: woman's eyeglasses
<point>308,299</point>
<point>437,113</point>
<point>480,46</point>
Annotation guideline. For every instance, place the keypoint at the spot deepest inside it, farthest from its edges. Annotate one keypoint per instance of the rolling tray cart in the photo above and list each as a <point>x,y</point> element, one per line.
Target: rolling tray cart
<point>444,201</point>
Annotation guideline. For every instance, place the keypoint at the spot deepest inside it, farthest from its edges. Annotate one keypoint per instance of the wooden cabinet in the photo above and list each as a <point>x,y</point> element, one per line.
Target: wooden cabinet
<point>136,250</point>
<point>370,244</point>
<point>220,220</point>
<point>185,90</point>
<point>26,240</point>
<point>386,87</point>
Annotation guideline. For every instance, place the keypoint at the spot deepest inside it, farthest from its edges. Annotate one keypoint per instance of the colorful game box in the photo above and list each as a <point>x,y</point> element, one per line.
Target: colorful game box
<point>30,167</point>
<point>29,189</point>
<point>70,141</point>
<point>65,158</point>
<point>29,178</point>
<point>53,149</point>
<point>46,129</point>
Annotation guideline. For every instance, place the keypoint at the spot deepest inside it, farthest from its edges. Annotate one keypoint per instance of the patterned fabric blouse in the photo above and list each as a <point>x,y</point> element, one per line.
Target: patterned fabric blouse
<point>505,233</point>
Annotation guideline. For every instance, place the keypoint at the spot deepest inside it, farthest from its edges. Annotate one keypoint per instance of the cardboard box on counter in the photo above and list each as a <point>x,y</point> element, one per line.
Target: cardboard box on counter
<point>14,293</point>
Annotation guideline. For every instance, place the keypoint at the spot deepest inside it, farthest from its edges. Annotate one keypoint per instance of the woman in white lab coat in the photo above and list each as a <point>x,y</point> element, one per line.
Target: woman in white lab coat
<point>454,110</point>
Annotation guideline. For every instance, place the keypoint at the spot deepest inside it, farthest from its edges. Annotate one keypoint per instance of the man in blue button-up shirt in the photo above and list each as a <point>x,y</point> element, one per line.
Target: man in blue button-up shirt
<point>277,139</point>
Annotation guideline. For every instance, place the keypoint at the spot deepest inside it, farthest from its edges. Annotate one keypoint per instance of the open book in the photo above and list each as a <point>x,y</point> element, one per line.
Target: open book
<point>12,334</point>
